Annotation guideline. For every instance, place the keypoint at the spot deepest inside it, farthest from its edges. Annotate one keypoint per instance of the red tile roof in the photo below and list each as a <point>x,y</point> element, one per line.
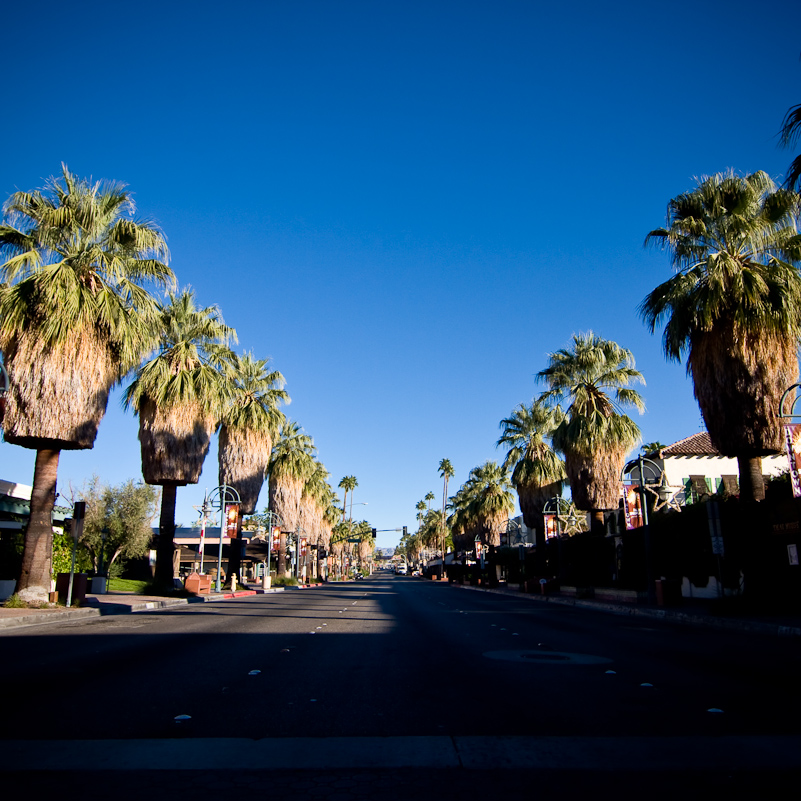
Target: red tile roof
<point>696,445</point>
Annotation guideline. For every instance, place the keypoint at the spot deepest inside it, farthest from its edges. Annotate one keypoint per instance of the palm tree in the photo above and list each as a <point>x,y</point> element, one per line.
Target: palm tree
<point>594,435</point>
<point>445,472</point>
<point>75,316</point>
<point>791,129</point>
<point>652,448</point>
<point>734,308</point>
<point>314,501</point>
<point>487,494</point>
<point>251,421</point>
<point>291,465</point>
<point>429,496</point>
<point>347,484</point>
<point>537,471</point>
<point>180,395</point>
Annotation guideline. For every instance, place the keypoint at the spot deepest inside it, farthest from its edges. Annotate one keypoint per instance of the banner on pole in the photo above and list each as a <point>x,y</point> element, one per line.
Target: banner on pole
<point>231,519</point>
<point>792,440</point>
<point>632,505</point>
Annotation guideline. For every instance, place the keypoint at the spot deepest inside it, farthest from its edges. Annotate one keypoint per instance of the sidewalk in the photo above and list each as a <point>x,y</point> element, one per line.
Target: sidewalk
<point>687,614</point>
<point>112,603</point>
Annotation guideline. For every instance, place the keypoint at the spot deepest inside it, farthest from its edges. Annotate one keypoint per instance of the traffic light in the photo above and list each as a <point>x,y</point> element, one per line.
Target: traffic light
<point>374,532</point>
<point>405,531</point>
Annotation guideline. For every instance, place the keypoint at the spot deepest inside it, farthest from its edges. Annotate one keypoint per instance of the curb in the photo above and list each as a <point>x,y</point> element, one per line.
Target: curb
<point>56,616</point>
<point>48,617</point>
<point>682,618</point>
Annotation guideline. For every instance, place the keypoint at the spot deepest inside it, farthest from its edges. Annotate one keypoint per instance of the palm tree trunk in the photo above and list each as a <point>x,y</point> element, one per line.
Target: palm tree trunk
<point>444,502</point>
<point>37,557</point>
<point>165,571</point>
<point>752,485</point>
<point>280,570</point>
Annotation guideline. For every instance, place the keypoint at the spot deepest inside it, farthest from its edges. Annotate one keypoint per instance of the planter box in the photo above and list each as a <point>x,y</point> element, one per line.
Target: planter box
<point>615,595</point>
<point>578,592</point>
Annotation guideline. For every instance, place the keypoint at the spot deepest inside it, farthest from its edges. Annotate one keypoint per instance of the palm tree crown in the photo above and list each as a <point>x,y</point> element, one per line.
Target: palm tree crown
<point>75,310</point>
<point>526,434</point>
<point>537,470</point>
<point>734,245</point>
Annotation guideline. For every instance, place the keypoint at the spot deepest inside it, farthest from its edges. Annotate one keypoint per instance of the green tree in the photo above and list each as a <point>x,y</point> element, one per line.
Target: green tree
<point>76,315</point>
<point>251,420</point>
<point>180,395</point>
<point>422,508</point>
<point>118,521</point>
<point>594,434</point>
<point>537,470</point>
<point>733,308</point>
<point>348,484</point>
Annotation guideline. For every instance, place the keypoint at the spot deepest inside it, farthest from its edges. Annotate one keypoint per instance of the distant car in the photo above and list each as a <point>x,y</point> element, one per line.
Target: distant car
<point>359,576</point>
<point>401,570</point>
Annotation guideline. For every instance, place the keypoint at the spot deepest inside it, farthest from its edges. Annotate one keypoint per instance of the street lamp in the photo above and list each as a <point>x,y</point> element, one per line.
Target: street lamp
<point>273,520</point>
<point>563,511</point>
<point>220,498</point>
<point>644,471</point>
<point>205,510</point>
<point>350,527</point>
<point>519,542</point>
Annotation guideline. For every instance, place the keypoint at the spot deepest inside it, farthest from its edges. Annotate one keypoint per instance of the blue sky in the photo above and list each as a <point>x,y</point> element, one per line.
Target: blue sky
<point>406,205</point>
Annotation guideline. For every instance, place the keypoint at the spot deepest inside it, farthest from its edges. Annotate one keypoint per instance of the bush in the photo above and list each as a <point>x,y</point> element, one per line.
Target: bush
<point>284,581</point>
<point>15,602</point>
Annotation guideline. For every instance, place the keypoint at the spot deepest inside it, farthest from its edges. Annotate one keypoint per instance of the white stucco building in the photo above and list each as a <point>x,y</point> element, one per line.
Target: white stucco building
<point>694,467</point>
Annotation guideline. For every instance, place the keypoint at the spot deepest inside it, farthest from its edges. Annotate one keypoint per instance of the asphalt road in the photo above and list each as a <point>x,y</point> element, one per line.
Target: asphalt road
<point>392,688</point>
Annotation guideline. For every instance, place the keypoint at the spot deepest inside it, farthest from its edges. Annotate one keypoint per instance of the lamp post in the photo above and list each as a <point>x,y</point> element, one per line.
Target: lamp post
<point>205,510</point>
<point>561,509</point>
<point>519,539</point>
<point>219,498</point>
<point>638,469</point>
<point>350,529</point>
<point>273,520</point>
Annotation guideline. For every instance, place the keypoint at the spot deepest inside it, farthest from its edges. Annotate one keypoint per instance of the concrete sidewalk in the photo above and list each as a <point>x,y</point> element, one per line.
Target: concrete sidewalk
<point>688,615</point>
<point>112,603</point>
